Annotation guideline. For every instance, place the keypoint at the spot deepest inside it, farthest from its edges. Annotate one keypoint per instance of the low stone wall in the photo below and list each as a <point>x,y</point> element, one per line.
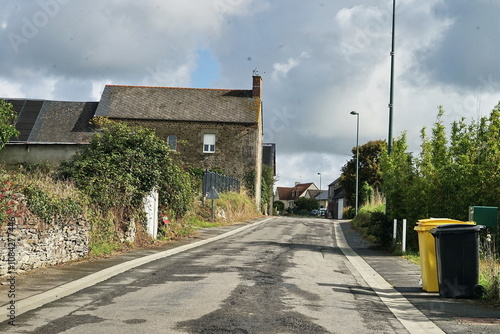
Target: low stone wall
<point>26,245</point>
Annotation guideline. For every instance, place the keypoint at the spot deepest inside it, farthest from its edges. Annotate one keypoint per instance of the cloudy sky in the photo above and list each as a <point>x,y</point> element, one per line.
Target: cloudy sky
<point>319,60</point>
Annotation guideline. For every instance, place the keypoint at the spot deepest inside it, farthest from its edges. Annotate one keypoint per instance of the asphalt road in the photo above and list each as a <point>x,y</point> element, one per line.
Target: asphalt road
<point>285,275</point>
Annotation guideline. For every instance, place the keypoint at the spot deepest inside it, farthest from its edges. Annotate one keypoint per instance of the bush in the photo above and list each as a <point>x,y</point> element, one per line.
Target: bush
<point>279,205</point>
<point>348,212</point>
<point>120,166</point>
<point>306,204</point>
<point>381,229</point>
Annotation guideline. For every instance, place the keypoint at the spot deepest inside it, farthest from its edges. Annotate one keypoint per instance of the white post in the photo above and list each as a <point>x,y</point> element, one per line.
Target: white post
<point>151,209</point>
<point>395,229</point>
<point>404,235</point>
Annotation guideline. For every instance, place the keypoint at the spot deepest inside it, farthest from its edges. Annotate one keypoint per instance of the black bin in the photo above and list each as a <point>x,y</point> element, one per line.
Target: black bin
<point>457,258</point>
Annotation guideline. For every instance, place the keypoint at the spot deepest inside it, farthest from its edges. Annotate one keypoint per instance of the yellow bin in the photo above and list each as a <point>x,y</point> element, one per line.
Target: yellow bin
<point>427,249</point>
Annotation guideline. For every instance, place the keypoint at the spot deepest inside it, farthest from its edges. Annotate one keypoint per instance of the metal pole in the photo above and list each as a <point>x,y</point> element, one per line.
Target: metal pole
<point>391,94</point>
<point>395,229</point>
<point>357,158</point>
<point>404,236</point>
<point>319,182</point>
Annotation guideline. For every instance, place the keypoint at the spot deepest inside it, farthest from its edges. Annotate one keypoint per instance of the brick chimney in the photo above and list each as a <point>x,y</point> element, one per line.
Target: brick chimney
<point>257,87</point>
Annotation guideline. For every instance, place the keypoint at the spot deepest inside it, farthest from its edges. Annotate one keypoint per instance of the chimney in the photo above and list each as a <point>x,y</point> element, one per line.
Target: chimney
<point>297,183</point>
<point>257,87</point>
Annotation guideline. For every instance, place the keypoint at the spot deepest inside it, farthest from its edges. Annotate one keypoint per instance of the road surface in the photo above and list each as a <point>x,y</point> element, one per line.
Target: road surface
<point>285,275</point>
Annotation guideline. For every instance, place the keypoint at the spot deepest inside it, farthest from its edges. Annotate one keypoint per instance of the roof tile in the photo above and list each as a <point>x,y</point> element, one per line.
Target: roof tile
<point>180,104</point>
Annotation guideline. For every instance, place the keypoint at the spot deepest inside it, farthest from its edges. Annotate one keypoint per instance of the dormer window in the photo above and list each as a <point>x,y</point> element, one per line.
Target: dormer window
<point>209,143</point>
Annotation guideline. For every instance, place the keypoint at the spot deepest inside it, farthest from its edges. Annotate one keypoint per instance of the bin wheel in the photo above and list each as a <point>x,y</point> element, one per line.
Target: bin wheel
<point>478,291</point>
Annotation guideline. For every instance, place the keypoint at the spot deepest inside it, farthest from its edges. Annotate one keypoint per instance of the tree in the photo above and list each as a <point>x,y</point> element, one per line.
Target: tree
<point>7,118</point>
<point>399,179</point>
<point>306,204</point>
<point>369,169</point>
<point>123,163</point>
<point>267,185</point>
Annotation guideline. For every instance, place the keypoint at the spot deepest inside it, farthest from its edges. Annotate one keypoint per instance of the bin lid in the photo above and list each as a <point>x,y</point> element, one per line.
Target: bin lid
<point>428,224</point>
<point>456,229</point>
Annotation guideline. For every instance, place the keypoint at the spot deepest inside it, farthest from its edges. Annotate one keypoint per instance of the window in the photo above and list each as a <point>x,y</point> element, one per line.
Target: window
<point>208,143</point>
<point>172,142</point>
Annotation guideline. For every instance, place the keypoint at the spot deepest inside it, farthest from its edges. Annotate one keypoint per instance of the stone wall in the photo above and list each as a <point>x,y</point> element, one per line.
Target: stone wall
<point>26,244</point>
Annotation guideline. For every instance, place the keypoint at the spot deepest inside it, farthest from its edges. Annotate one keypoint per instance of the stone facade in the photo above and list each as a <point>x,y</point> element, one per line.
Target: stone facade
<point>234,117</point>
<point>36,245</point>
<point>236,145</point>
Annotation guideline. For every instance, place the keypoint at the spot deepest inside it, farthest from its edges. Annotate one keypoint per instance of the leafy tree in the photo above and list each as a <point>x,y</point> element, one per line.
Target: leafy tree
<point>267,185</point>
<point>369,169</point>
<point>122,164</point>
<point>7,118</point>
<point>449,175</point>
<point>399,178</point>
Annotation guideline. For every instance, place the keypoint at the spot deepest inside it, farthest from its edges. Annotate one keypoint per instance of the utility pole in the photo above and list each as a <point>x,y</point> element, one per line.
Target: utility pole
<point>391,94</point>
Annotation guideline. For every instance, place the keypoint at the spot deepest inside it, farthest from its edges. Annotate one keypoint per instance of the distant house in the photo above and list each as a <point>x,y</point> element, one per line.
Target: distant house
<point>336,202</point>
<point>322,198</point>
<point>211,128</point>
<point>288,195</point>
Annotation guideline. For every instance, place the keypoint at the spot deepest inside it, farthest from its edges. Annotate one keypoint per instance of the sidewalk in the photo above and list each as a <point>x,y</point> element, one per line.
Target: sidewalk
<point>451,315</point>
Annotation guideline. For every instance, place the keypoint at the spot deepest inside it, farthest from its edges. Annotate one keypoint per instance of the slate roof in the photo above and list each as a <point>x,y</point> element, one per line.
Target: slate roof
<point>53,121</point>
<point>178,104</point>
<point>322,196</point>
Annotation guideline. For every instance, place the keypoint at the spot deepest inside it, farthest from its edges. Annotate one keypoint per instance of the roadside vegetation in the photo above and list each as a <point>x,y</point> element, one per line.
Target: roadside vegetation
<point>451,173</point>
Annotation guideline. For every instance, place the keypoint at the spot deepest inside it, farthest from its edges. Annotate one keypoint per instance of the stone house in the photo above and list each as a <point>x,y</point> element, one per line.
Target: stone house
<point>211,128</point>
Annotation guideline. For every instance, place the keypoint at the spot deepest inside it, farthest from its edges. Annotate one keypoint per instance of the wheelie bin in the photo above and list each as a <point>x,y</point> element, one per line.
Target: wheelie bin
<point>427,250</point>
<point>457,256</point>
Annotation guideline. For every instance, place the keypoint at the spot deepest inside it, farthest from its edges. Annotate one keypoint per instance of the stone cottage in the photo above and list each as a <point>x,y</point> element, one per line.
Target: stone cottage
<point>211,128</point>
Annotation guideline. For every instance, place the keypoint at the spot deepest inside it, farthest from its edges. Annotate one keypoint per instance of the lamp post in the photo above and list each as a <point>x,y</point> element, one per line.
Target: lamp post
<point>357,157</point>
<point>319,182</point>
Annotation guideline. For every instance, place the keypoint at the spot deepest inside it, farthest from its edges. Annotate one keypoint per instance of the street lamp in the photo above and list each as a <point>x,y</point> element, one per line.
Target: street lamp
<point>357,157</point>
<point>319,181</point>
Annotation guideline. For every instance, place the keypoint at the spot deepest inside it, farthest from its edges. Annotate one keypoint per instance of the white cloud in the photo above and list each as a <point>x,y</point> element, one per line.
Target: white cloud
<point>319,60</point>
<point>280,70</point>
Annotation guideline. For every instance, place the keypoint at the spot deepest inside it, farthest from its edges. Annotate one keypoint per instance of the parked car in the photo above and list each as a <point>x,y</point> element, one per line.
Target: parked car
<point>319,212</point>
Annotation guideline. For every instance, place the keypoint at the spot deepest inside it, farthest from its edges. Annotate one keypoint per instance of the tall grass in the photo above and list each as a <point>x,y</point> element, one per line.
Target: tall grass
<point>230,208</point>
<point>362,222</point>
